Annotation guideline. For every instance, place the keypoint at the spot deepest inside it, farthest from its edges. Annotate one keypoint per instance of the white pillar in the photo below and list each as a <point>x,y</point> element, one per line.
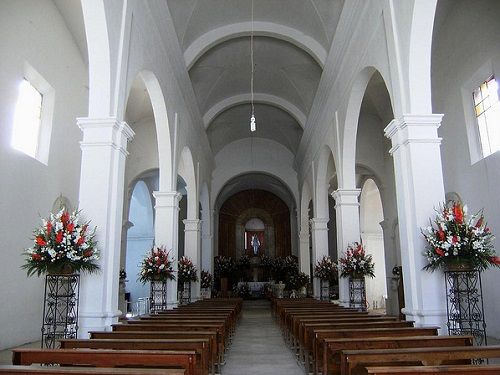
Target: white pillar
<point>104,150</point>
<point>388,227</point>
<point>419,189</point>
<point>319,230</point>
<point>166,232</point>
<point>304,257</point>
<point>207,253</point>
<point>347,215</point>
<point>192,249</point>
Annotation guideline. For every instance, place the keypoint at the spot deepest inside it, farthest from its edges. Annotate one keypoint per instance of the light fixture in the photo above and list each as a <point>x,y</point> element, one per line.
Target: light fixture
<point>253,126</point>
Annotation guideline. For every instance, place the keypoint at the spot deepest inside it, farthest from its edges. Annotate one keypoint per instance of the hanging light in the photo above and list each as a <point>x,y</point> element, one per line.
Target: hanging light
<point>253,126</point>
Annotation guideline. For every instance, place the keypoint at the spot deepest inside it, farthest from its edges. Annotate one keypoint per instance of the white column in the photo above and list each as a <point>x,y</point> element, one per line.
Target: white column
<point>207,240</point>
<point>319,230</point>
<point>391,261</point>
<point>419,189</point>
<point>192,249</point>
<point>304,256</point>
<point>166,232</point>
<point>347,215</point>
<point>104,151</point>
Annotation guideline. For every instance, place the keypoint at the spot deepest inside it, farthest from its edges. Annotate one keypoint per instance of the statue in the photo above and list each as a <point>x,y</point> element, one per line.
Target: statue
<point>255,244</point>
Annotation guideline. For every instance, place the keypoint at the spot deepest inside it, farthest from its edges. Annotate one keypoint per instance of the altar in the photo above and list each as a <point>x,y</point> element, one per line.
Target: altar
<point>255,286</point>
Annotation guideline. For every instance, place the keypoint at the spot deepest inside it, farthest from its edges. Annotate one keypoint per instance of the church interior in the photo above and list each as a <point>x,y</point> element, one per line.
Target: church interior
<point>260,131</point>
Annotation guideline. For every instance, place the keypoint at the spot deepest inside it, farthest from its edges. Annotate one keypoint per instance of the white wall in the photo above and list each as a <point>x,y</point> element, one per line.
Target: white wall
<point>34,31</point>
<point>467,40</point>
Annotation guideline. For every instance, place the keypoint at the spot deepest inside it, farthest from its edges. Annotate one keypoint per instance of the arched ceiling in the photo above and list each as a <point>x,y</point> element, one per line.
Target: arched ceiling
<point>290,46</point>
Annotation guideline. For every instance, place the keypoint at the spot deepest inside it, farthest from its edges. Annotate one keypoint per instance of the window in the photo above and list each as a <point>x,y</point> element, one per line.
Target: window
<point>32,126</point>
<point>487,112</point>
<point>27,119</point>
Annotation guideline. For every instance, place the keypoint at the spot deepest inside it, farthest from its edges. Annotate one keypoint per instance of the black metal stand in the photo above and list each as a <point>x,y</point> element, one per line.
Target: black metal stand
<point>324,290</point>
<point>464,304</point>
<point>357,293</point>
<point>158,296</point>
<point>185,293</point>
<point>60,309</point>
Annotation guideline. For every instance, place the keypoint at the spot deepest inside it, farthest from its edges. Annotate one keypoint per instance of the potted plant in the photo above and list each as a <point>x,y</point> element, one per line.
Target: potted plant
<point>355,263</point>
<point>62,245</point>
<point>206,283</point>
<point>186,273</point>
<point>459,240</point>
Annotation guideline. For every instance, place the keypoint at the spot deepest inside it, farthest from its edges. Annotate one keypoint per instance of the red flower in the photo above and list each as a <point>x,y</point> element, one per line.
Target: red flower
<point>40,241</point>
<point>454,239</point>
<point>70,227</point>
<point>495,260</point>
<point>36,256</point>
<point>479,222</point>
<point>440,235</point>
<point>439,252</point>
<point>80,241</point>
<point>59,237</point>
<point>49,227</point>
<point>88,253</point>
<point>65,217</point>
<point>458,213</point>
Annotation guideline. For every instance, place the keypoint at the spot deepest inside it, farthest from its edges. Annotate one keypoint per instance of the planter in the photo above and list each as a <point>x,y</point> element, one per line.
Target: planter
<point>66,269</point>
<point>459,267</point>
<point>157,296</point>
<point>357,292</point>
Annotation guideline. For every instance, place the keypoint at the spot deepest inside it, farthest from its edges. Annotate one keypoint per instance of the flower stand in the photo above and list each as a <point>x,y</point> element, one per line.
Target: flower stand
<point>185,294</point>
<point>464,304</point>
<point>205,293</point>
<point>60,309</point>
<point>357,293</point>
<point>158,296</point>
<point>324,290</point>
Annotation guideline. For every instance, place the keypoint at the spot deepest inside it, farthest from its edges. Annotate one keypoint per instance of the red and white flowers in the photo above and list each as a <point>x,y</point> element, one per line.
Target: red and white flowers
<point>455,237</point>
<point>186,271</point>
<point>206,279</point>
<point>157,266</point>
<point>62,242</point>
<point>326,269</point>
<point>356,262</point>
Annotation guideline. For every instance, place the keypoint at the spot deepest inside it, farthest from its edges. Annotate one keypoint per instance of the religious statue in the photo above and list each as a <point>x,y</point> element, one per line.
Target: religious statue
<point>255,244</point>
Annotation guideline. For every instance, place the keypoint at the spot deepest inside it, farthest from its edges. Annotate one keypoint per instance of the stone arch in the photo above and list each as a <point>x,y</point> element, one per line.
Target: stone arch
<point>214,37</point>
<point>419,59</point>
<point>186,170</point>
<point>96,30</point>
<point>347,172</point>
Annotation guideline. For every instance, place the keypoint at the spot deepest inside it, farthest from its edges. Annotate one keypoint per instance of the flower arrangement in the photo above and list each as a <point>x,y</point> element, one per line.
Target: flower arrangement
<point>186,271</point>
<point>297,280</point>
<point>206,279</point>
<point>62,244</point>
<point>355,262</point>
<point>243,262</point>
<point>157,266</point>
<point>326,269</point>
<point>123,274</point>
<point>455,237</point>
<point>266,261</point>
<point>223,266</point>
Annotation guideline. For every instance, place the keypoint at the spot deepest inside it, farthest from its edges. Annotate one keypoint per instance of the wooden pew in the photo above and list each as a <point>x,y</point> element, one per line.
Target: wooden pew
<point>355,361</point>
<point>55,370</point>
<point>449,370</point>
<point>328,358</point>
<point>107,358</point>
<point>200,346</point>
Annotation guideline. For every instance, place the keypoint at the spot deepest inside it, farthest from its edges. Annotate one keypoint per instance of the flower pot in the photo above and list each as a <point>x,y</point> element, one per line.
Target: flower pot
<point>66,269</point>
<point>459,267</point>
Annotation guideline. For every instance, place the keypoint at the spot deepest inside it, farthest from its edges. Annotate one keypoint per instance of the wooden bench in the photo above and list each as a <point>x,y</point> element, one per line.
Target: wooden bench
<point>107,358</point>
<point>167,335</point>
<point>200,346</point>
<point>449,370</point>
<point>54,370</point>
<point>328,356</point>
<point>355,361</point>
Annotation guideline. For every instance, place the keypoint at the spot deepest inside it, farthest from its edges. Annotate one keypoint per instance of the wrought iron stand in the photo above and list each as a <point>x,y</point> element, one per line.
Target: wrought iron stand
<point>158,296</point>
<point>324,290</point>
<point>357,293</point>
<point>464,304</point>
<point>185,293</point>
<point>60,309</point>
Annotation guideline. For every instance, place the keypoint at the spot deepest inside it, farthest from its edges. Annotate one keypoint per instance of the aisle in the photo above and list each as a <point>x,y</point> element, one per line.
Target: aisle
<point>258,347</point>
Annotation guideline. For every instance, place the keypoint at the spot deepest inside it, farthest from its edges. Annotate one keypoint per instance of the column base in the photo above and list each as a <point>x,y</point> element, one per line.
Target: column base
<point>427,318</point>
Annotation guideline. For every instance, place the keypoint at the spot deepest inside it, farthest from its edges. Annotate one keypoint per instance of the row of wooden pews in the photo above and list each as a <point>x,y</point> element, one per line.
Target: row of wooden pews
<point>330,339</point>
<point>189,340</point>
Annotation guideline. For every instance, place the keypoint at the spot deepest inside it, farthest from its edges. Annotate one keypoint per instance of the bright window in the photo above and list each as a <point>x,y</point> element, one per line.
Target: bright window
<point>27,119</point>
<point>487,112</point>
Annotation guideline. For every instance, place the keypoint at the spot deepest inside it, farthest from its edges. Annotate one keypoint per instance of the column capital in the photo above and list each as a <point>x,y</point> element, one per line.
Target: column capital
<point>167,199</point>
<point>346,197</point>
<point>319,223</point>
<point>105,132</point>
<point>192,225</point>
<point>413,128</point>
